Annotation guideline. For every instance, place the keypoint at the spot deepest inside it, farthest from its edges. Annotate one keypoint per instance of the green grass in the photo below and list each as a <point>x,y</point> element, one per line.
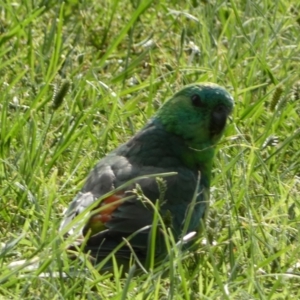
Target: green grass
<point>78,78</point>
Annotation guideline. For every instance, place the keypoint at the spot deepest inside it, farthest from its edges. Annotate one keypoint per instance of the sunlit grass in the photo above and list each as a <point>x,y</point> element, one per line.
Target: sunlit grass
<point>79,78</point>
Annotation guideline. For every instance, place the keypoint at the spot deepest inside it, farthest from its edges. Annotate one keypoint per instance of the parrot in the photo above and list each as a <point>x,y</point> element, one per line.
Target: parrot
<point>124,190</point>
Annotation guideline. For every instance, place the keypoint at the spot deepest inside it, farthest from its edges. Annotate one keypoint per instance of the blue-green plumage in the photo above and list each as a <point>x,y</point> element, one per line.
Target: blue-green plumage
<point>179,138</point>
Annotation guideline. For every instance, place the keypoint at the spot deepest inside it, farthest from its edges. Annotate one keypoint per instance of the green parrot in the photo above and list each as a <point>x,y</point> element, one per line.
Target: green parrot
<point>180,139</point>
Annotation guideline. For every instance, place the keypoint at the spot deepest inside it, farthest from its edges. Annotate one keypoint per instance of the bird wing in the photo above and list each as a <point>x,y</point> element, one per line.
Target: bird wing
<point>121,210</point>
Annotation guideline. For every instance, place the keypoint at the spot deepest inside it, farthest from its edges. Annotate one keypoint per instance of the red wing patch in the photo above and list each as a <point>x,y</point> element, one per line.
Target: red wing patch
<point>97,221</point>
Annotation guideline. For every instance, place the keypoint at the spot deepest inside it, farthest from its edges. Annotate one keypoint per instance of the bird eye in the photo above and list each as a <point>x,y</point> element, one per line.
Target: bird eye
<point>197,101</point>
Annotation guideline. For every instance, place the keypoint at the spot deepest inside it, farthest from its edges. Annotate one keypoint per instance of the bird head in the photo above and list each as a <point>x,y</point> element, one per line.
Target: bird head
<point>197,113</point>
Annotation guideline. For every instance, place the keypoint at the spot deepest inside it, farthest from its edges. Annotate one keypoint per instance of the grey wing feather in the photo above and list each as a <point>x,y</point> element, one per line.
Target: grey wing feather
<point>133,159</point>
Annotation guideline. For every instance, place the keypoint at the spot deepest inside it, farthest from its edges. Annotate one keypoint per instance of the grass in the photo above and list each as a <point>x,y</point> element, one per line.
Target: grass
<point>80,77</point>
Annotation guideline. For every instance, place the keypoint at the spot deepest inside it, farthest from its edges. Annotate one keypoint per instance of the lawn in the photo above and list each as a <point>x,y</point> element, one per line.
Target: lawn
<point>78,78</point>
